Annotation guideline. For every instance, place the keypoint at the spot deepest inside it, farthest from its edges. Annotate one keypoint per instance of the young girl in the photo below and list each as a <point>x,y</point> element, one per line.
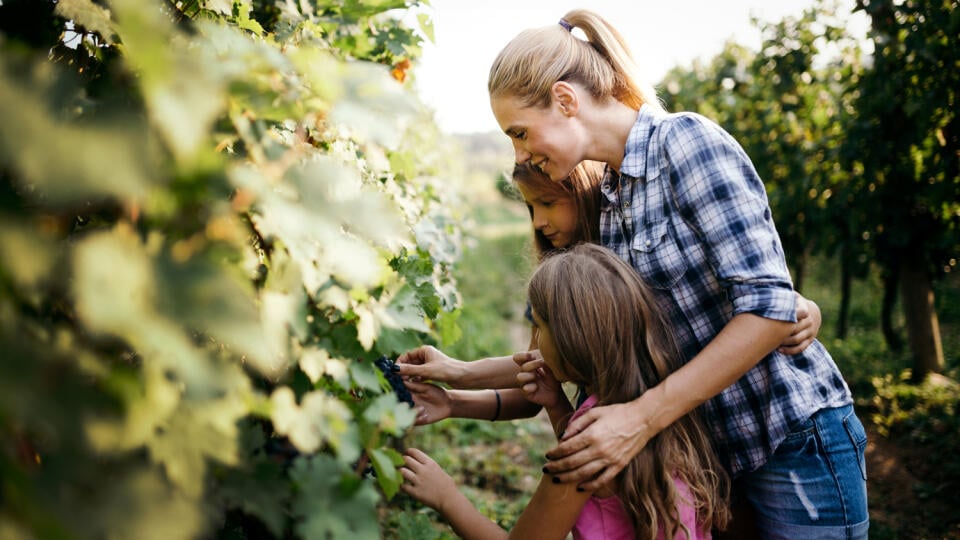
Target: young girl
<point>600,328</point>
<point>684,205</point>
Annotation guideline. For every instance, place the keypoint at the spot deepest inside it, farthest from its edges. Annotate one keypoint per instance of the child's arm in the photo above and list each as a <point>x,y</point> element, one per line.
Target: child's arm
<point>550,514</point>
<point>429,363</point>
<point>435,403</point>
<point>806,329</point>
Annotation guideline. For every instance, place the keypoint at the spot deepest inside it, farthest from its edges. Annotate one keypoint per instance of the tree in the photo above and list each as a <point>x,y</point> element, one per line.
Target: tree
<point>215,215</point>
<point>907,143</point>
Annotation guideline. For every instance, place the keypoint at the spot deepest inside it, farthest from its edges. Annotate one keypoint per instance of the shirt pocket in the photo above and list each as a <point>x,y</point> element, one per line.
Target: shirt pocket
<point>656,255</point>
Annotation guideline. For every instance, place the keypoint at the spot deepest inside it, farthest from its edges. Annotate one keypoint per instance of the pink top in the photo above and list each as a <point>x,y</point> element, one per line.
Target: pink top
<point>604,518</point>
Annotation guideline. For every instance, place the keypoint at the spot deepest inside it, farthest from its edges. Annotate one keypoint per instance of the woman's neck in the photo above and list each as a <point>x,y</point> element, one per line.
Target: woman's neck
<point>610,125</point>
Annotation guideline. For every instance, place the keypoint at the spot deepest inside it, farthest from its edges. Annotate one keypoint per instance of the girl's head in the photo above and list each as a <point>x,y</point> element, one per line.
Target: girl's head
<point>600,327</point>
<point>523,78</point>
<point>606,328</point>
<point>562,213</point>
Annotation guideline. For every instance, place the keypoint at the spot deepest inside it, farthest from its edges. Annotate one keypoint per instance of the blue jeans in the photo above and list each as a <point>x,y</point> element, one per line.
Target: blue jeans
<point>815,484</point>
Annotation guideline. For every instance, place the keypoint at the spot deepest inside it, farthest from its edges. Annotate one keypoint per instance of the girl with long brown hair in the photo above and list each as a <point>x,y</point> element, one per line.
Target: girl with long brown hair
<point>600,328</point>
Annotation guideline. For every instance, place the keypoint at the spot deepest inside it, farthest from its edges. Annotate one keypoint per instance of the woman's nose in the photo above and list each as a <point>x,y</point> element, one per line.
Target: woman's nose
<point>522,156</point>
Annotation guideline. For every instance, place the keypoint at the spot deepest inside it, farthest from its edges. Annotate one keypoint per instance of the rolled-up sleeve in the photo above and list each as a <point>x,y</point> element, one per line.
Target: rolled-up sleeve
<point>720,195</point>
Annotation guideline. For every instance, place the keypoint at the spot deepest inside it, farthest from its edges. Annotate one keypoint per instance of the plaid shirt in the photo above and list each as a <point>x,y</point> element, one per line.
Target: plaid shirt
<point>690,213</point>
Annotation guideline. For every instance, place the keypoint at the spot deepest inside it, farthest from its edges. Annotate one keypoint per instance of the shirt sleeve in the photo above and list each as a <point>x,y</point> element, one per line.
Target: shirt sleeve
<point>720,195</point>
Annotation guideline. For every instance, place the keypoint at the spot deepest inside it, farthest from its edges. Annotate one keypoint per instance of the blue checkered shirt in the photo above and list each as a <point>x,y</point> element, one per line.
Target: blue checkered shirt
<point>690,213</point>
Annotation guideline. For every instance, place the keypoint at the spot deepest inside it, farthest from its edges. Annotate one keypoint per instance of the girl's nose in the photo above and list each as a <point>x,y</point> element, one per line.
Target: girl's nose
<point>539,220</point>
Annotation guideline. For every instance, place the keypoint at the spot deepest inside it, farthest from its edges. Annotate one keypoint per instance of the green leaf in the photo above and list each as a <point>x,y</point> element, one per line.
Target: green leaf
<point>99,158</point>
<point>390,415</point>
<point>27,256</point>
<point>183,88</point>
<point>197,432</point>
<point>331,504</point>
<point>318,419</point>
<point>364,375</point>
<point>316,363</point>
<point>385,462</point>
<point>115,292</point>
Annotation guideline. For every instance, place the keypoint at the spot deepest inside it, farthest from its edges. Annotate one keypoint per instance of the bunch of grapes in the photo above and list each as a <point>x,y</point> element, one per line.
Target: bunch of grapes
<point>392,374</point>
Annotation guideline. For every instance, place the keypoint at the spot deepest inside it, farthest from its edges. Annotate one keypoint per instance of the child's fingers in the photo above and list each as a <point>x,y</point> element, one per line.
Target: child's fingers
<point>532,365</point>
<point>521,358</point>
<point>417,455</point>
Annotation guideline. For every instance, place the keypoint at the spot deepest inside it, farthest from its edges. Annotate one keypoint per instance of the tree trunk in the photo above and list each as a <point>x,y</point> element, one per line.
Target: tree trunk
<point>923,328</point>
<point>846,282</point>
<point>891,279</point>
<point>799,269</point>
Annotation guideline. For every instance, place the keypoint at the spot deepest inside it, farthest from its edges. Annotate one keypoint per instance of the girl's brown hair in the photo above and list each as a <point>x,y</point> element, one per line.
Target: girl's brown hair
<point>611,337</point>
<point>582,187</point>
<point>537,58</point>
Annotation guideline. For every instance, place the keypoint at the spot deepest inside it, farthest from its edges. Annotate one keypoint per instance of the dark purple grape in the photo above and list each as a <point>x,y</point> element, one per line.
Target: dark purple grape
<point>389,370</point>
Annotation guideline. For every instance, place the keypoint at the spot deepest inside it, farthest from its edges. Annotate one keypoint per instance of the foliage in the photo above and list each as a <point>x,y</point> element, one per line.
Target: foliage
<point>215,214</point>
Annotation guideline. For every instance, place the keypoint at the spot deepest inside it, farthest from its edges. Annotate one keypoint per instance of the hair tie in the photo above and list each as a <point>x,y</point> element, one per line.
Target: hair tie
<point>566,26</point>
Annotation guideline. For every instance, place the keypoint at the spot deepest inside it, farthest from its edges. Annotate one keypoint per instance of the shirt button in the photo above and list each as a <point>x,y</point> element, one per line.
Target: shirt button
<point>647,243</point>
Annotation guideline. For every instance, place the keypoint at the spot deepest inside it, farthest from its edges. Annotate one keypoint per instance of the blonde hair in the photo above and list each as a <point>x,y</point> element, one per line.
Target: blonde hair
<point>582,188</point>
<point>610,335</point>
<point>537,58</point>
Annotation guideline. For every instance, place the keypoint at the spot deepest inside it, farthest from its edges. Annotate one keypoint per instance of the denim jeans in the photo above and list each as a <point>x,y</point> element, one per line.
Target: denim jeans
<point>815,484</point>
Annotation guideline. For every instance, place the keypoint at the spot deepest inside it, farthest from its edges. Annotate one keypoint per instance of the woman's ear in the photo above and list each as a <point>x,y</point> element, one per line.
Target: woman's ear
<point>565,96</point>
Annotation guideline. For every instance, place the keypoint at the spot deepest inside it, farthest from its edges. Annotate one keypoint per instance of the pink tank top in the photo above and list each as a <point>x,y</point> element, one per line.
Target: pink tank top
<point>605,518</point>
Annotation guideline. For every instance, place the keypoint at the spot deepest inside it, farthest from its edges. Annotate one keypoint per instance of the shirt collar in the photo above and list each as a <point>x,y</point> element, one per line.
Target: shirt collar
<point>635,152</point>
<point>634,162</point>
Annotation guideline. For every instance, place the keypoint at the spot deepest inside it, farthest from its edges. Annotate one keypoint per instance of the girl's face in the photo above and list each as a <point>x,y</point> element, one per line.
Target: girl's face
<point>541,136</point>
<point>553,214</point>
<point>548,349</point>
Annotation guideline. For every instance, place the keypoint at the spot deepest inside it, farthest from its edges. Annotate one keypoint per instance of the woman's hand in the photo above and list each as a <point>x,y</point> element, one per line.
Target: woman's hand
<point>425,481</point>
<point>427,363</point>
<point>806,329</point>
<point>598,445</point>
<point>433,403</point>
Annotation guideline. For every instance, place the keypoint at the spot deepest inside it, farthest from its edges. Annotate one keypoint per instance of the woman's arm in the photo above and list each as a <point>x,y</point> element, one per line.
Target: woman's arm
<point>604,439</point>
<point>550,514</point>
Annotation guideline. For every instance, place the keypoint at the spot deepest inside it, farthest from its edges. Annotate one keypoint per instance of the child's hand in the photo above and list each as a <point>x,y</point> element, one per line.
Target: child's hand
<point>432,402</point>
<point>425,481</point>
<point>806,329</point>
<point>538,383</point>
<point>428,363</point>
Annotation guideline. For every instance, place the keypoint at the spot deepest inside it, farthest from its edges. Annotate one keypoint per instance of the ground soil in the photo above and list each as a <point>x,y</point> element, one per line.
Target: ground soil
<point>900,482</point>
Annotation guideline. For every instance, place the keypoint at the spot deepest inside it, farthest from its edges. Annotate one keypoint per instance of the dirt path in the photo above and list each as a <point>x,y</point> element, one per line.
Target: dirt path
<point>900,505</point>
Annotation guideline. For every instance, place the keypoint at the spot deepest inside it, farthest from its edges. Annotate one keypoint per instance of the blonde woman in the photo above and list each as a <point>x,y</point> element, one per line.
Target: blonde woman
<point>683,204</point>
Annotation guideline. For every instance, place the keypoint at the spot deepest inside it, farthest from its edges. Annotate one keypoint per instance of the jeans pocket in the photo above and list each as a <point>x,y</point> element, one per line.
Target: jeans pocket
<point>797,441</point>
<point>858,436</point>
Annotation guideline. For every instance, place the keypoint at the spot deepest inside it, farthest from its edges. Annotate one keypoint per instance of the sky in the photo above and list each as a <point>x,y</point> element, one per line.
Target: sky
<point>451,77</point>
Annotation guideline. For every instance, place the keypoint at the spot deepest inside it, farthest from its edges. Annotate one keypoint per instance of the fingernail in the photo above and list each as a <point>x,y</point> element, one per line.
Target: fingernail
<point>561,434</point>
<point>546,456</point>
<point>580,489</point>
<point>545,470</point>
<point>555,480</point>
<point>394,367</point>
